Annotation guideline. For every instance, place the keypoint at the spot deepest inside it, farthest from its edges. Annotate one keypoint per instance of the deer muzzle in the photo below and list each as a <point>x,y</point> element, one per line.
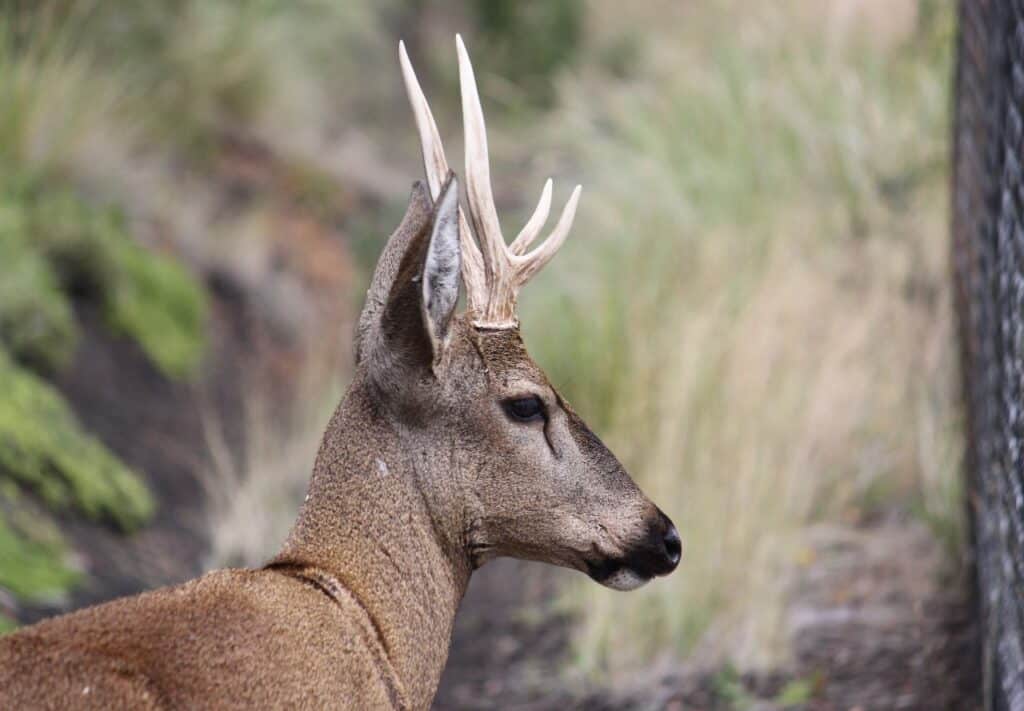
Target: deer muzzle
<point>657,553</point>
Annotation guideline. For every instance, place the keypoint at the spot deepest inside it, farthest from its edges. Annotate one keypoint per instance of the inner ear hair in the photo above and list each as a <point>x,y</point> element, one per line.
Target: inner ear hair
<point>442,265</point>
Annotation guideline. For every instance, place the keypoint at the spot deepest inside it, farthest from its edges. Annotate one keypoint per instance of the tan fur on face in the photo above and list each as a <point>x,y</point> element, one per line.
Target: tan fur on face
<point>550,492</point>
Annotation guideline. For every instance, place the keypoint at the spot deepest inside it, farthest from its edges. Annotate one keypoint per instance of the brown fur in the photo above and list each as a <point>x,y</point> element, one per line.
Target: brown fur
<point>421,477</point>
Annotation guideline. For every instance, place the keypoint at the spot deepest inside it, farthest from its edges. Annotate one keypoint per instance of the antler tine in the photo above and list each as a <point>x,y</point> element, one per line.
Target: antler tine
<point>482,212</point>
<point>492,271</point>
<point>532,262</point>
<point>533,226</point>
<point>436,167</point>
<point>434,163</point>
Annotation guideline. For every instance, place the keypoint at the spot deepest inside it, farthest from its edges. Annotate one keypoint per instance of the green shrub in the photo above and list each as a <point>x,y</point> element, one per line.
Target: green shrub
<point>52,240</point>
<point>36,323</point>
<point>43,448</point>
<point>32,567</point>
<point>157,303</point>
<point>79,240</point>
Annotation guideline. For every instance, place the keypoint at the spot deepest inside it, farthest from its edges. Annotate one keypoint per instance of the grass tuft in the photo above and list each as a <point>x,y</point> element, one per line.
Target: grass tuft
<point>43,448</point>
<point>36,323</point>
<point>156,302</point>
<point>34,567</point>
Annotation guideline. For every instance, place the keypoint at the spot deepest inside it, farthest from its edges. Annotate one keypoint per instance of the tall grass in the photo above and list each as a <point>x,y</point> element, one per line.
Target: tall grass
<point>254,490</point>
<point>53,98</point>
<point>761,326</point>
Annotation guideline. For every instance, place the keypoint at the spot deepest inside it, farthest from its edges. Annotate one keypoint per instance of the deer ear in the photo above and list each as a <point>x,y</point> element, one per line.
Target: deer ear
<point>442,266</point>
<point>414,321</point>
<point>414,224</point>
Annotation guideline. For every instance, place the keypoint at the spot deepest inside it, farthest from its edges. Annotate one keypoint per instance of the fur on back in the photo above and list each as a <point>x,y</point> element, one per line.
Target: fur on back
<point>205,644</point>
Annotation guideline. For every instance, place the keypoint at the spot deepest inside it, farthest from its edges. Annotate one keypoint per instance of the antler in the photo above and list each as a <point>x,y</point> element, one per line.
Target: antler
<point>495,271</point>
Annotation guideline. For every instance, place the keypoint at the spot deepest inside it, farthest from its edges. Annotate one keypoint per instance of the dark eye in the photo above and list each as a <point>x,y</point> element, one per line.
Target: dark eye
<point>525,409</point>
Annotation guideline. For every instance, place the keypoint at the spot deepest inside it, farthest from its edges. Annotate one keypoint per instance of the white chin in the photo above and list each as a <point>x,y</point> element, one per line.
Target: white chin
<point>624,579</point>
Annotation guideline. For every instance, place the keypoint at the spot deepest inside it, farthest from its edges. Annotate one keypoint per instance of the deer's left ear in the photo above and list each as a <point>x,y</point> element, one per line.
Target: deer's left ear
<point>416,318</point>
<point>442,266</point>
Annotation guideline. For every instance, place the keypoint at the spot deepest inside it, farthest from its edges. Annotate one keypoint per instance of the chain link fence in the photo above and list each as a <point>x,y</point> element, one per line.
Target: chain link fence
<point>988,263</point>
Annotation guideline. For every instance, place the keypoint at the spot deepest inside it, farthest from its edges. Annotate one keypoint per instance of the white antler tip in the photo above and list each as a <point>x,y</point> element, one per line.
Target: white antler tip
<point>492,271</point>
<point>460,50</point>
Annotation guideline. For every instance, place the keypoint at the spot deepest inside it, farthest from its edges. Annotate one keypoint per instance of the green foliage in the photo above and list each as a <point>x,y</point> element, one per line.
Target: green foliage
<point>156,302</point>
<point>53,241</point>
<point>796,692</point>
<point>36,323</point>
<point>43,448</point>
<point>80,241</point>
<point>32,565</point>
<point>730,687</point>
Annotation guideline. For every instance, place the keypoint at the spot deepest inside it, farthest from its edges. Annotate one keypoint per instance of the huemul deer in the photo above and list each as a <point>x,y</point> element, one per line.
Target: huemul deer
<point>449,449</point>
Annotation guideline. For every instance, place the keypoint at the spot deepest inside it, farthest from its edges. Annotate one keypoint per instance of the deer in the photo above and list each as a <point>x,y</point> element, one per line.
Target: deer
<point>449,449</point>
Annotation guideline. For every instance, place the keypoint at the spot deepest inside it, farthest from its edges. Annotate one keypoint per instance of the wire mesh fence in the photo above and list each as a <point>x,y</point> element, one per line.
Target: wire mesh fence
<point>988,264</point>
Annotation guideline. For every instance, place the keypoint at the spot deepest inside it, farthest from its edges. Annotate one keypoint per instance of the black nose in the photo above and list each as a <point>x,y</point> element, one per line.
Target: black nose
<point>667,547</point>
<point>673,546</point>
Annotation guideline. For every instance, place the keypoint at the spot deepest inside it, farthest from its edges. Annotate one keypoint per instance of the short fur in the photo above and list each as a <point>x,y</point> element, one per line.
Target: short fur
<point>422,476</point>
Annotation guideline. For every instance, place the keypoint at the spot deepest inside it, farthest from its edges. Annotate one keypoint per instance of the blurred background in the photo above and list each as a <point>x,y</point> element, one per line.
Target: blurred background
<point>753,312</point>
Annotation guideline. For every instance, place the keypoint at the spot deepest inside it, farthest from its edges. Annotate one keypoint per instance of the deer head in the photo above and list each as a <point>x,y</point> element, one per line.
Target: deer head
<point>523,474</point>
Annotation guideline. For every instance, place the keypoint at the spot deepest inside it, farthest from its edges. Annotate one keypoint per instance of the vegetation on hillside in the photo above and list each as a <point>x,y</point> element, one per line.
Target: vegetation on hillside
<point>44,450</point>
<point>35,557</point>
<point>63,250</point>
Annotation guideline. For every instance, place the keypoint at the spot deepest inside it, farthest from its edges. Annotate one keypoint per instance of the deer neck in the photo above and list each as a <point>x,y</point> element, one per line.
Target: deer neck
<point>372,522</point>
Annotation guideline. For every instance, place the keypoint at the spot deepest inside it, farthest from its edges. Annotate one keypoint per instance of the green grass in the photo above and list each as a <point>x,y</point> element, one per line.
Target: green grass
<point>34,567</point>
<point>796,693</point>
<point>148,297</point>
<point>36,323</point>
<point>759,320</point>
<point>43,448</point>
<point>156,302</point>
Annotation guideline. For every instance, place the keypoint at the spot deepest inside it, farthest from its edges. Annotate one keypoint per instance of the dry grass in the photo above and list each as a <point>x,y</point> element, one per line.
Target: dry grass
<point>253,493</point>
<point>761,325</point>
<point>53,99</point>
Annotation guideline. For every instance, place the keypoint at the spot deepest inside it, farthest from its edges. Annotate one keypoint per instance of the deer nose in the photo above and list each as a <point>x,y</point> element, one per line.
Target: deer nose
<point>673,546</point>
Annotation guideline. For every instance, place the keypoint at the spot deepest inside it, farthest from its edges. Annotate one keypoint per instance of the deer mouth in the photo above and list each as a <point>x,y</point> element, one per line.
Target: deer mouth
<point>656,555</point>
<point>616,575</point>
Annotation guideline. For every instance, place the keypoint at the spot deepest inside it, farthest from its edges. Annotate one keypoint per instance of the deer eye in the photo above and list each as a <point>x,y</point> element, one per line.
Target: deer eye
<point>525,409</point>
